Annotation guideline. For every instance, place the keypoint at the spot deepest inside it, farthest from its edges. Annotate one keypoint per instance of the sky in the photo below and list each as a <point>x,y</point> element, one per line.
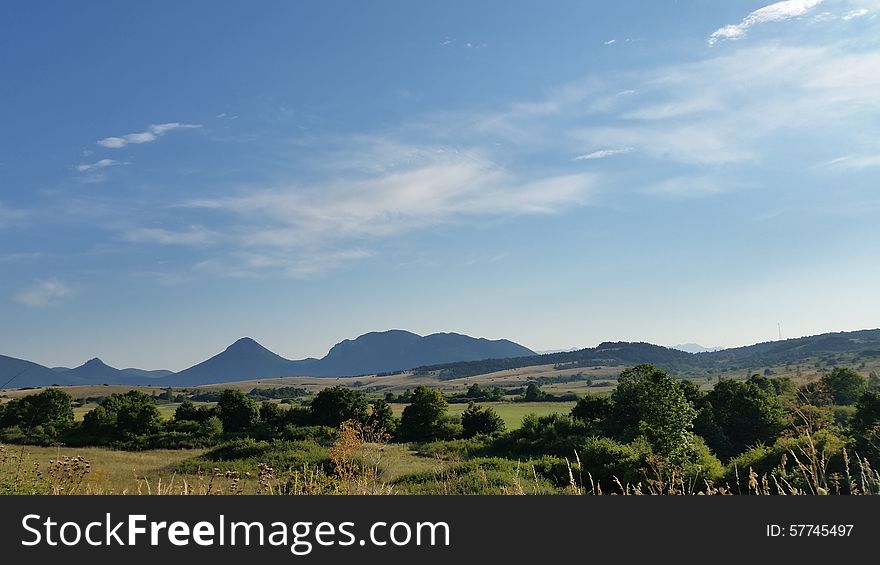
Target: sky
<point>176,175</point>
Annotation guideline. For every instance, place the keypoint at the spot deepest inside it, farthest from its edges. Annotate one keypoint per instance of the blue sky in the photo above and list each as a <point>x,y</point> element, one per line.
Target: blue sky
<point>176,175</point>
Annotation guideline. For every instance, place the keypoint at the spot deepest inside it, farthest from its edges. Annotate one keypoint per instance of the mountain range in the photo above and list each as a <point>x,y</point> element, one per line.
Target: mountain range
<point>451,356</point>
<point>375,352</point>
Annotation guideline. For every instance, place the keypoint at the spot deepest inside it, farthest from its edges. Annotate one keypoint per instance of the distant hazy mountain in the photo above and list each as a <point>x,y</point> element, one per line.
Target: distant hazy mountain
<point>26,374</point>
<point>375,352</point>
<point>91,372</point>
<point>396,350</point>
<point>148,374</point>
<point>451,356</point>
<point>244,359</point>
<point>95,370</point>
<point>695,348</point>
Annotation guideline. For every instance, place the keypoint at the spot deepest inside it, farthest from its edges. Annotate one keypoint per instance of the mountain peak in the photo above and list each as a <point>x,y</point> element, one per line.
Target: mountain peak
<point>94,362</point>
<point>245,343</point>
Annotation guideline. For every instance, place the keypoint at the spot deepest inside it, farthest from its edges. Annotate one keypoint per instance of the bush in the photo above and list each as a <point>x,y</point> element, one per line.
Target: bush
<point>480,420</point>
<point>492,475</point>
<point>126,420</point>
<point>605,460</point>
<point>456,449</point>
<point>779,459</point>
<point>554,434</point>
<point>243,455</point>
<point>38,418</point>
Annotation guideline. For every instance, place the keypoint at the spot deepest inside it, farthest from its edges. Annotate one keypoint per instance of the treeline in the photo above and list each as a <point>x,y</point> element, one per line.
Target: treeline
<point>133,421</point>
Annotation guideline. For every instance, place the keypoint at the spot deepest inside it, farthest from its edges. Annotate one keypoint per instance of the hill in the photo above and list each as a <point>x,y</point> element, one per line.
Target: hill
<point>19,373</point>
<point>374,352</point>
<point>396,350</point>
<point>244,359</point>
<point>843,348</point>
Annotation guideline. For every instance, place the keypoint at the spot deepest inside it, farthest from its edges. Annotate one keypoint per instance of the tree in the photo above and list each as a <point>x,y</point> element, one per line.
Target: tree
<point>423,419</point>
<point>272,415</point>
<point>815,393</point>
<point>866,426</point>
<point>649,402</point>
<point>44,416</point>
<point>237,411</point>
<point>336,404</point>
<point>188,411</point>
<point>746,414</point>
<point>874,381</point>
<point>123,416</point>
<point>593,410</point>
<point>477,420</point>
<point>534,393</point>
<point>382,420</point>
<point>867,414</point>
<point>845,385</point>
<point>692,392</point>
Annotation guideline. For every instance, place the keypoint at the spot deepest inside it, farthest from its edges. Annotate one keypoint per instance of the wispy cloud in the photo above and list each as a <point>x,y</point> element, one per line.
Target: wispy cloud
<point>194,236</point>
<point>152,133</point>
<point>853,14</point>
<point>299,229</point>
<point>97,166</point>
<point>14,257</point>
<point>780,11</point>
<point>602,153</point>
<point>11,216</point>
<point>853,162</point>
<point>43,293</point>
<point>703,113</point>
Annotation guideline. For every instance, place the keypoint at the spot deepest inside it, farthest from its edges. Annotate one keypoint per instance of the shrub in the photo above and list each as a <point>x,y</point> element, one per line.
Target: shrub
<point>244,455</point>
<point>480,420</point>
<point>491,475</point>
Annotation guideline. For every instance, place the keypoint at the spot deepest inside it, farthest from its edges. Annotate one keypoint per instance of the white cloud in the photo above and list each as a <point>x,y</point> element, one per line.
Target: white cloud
<point>853,14</point>
<point>610,42</point>
<point>777,12</point>
<point>300,229</point>
<point>729,108</point>
<point>438,188</point>
<point>96,166</point>
<point>602,153</point>
<point>195,236</point>
<point>152,134</point>
<point>853,162</point>
<point>43,293</point>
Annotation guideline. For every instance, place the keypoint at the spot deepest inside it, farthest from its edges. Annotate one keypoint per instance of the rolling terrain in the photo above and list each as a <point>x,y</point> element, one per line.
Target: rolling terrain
<point>396,360</point>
